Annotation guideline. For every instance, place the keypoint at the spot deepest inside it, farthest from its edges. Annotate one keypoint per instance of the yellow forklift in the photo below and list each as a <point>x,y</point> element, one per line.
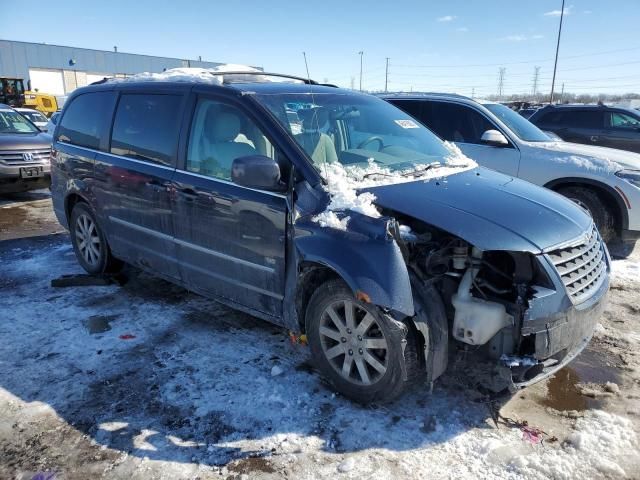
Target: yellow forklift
<point>12,93</point>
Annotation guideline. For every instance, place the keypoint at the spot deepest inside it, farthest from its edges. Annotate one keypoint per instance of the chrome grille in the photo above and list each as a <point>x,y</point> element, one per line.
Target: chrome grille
<point>17,157</point>
<point>582,267</point>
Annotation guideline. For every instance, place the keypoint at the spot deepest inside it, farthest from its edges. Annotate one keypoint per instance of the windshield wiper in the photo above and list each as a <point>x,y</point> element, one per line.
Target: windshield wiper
<point>417,173</point>
<point>373,174</point>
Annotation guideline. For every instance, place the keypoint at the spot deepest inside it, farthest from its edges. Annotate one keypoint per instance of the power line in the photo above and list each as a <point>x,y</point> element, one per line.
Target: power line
<point>524,62</point>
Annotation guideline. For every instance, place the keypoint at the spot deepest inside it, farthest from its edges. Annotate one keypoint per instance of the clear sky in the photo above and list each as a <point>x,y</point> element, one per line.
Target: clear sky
<point>452,45</point>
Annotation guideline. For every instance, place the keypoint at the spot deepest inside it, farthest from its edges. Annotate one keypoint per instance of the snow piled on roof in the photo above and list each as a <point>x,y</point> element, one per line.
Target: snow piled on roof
<point>344,182</point>
<point>202,75</point>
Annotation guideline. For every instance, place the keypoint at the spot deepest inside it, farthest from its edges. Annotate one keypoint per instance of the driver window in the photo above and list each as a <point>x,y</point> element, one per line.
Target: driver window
<point>220,133</point>
<point>621,120</point>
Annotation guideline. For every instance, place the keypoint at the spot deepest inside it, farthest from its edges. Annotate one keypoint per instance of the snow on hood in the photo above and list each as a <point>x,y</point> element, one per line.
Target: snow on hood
<point>199,75</point>
<point>609,160</point>
<point>343,183</point>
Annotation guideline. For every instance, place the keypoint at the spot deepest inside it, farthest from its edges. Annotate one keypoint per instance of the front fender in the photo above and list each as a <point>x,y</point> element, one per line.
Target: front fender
<point>365,256</point>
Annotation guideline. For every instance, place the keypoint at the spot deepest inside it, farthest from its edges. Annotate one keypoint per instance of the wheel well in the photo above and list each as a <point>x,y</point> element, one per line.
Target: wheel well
<point>70,202</point>
<point>311,275</point>
<point>609,199</point>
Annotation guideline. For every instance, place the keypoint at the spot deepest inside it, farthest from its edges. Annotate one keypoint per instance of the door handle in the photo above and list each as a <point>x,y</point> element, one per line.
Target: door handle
<point>155,185</point>
<point>594,138</point>
<point>189,194</point>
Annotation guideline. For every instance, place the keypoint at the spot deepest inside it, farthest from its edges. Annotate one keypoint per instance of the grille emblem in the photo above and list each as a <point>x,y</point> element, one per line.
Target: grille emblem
<point>27,157</point>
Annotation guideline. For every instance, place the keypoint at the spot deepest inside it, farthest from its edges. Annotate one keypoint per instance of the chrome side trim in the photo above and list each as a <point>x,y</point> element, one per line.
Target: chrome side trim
<point>165,167</point>
<point>198,248</point>
<point>226,182</point>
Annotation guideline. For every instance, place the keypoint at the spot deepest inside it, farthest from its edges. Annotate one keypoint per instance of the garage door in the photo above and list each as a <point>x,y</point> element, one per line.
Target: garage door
<point>47,81</point>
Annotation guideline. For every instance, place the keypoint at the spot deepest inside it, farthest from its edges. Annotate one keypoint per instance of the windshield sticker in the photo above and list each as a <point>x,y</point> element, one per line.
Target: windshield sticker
<point>407,123</point>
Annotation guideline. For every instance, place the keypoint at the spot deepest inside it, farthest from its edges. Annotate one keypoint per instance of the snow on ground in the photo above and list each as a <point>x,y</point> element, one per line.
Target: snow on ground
<point>626,270</point>
<point>150,381</point>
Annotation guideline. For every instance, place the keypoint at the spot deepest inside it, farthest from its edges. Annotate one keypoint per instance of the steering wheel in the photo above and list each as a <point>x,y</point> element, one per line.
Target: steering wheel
<point>372,139</point>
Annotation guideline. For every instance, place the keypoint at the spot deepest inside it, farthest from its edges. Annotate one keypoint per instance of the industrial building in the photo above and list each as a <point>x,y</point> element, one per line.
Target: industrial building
<point>59,70</point>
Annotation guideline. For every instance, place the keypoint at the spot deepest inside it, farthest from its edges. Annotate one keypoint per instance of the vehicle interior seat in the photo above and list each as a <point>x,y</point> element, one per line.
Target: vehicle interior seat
<point>318,145</point>
<point>219,146</point>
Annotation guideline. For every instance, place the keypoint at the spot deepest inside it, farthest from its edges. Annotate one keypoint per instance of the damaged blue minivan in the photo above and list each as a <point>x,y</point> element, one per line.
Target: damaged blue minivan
<point>332,213</point>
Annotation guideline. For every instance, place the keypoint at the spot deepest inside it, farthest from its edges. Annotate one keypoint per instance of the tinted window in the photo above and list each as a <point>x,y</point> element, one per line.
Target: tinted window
<point>146,127</point>
<point>575,118</point>
<point>455,123</point>
<point>86,118</point>
<point>220,133</point>
<point>412,107</point>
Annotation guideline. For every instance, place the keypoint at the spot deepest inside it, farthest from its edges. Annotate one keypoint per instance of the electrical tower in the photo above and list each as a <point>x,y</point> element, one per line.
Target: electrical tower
<point>501,73</point>
<point>536,77</point>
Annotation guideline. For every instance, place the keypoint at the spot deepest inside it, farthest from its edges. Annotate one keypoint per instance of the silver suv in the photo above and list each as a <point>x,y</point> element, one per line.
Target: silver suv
<point>25,153</point>
<point>604,181</point>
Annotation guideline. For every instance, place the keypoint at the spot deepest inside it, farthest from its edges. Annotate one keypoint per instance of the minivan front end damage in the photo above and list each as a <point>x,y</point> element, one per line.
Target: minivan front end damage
<point>523,315</point>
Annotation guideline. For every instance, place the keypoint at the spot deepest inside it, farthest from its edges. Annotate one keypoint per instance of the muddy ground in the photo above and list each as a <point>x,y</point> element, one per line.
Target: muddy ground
<point>147,380</point>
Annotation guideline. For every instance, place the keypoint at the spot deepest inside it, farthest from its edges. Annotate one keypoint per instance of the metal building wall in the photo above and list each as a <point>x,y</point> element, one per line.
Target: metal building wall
<point>16,58</point>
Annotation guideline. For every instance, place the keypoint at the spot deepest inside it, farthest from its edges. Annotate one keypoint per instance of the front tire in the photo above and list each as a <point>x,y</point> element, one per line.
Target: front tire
<point>358,348</point>
<point>89,242</point>
<point>591,201</point>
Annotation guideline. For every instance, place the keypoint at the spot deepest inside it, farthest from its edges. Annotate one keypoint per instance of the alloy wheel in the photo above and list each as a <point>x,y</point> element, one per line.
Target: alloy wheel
<point>88,240</point>
<point>353,342</point>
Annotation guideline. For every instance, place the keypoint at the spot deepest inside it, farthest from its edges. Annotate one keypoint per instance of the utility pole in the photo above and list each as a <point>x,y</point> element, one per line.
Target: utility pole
<point>353,83</point>
<point>555,65</point>
<point>536,76</point>
<point>473,92</point>
<point>562,93</point>
<point>386,76</point>
<point>501,73</point>
<point>361,53</point>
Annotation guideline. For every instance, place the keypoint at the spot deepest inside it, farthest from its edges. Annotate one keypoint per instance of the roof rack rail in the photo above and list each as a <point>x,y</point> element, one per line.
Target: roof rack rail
<point>308,81</point>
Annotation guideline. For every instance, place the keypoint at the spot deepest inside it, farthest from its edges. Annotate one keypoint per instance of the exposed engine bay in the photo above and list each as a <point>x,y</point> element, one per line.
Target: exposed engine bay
<point>485,294</point>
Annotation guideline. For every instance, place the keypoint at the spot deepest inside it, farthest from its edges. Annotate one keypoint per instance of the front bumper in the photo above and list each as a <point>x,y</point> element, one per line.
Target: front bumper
<point>561,341</point>
<point>12,181</point>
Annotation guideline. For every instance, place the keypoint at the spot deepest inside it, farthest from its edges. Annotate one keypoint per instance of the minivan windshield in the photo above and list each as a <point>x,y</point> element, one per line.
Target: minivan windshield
<point>12,122</point>
<point>360,131</point>
<point>519,125</point>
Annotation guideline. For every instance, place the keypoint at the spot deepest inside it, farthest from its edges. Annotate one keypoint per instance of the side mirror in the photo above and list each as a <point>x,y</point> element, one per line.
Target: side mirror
<point>495,138</point>
<point>257,171</point>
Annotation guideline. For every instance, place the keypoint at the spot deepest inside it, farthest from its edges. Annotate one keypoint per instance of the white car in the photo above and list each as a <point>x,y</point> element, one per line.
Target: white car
<point>35,117</point>
<point>604,181</point>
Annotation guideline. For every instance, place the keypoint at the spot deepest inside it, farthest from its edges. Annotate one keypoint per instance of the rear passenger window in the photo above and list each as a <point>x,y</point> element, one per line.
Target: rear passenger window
<point>86,118</point>
<point>146,127</point>
<point>455,123</point>
<point>583,119</point>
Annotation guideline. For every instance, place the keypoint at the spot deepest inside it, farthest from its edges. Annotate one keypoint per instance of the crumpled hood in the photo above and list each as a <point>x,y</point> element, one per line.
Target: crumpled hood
<point>489,210</point>
<point>600,156</point>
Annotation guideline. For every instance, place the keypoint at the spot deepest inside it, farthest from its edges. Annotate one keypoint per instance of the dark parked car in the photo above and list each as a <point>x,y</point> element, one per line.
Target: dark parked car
<point>24,153</point>
<point>601,125</point>
<point>527,112</point>
<point>361,228</point>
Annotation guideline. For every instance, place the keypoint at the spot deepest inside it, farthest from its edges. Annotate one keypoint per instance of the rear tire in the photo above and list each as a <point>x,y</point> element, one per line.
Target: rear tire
<point>89,242</point>
<point>358,348</point>
<point>591,201</point>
